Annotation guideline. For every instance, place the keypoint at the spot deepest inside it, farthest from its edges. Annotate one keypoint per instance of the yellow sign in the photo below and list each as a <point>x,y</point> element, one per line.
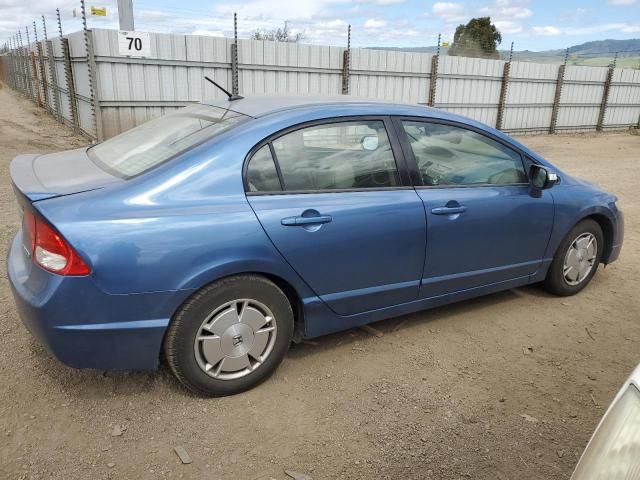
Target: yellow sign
<point>445,44</point>
<point>100,12</point>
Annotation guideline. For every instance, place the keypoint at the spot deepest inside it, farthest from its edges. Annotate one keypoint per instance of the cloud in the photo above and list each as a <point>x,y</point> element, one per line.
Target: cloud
<point>508,27</point>
<point>551,31</point>
<point>381,2</point>
<point>607,27</point>
<point>449,11</point>
<point>17,14</point>
<point>292,10</point>
<point>373,23</point>
<point>547,31</point>
<point>507,10</point>
<point>621,2</point>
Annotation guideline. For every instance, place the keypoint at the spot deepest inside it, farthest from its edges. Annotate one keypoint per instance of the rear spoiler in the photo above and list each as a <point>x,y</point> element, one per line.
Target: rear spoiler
<point>39,177</point>
<point>24,179</point>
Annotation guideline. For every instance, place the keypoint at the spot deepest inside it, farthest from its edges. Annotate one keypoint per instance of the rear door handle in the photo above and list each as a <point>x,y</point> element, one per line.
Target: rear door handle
<point>448,210</point>
<point>295,221</point>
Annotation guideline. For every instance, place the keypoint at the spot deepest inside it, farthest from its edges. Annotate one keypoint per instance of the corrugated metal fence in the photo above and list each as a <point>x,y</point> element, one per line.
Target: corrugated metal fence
<point>516,97</point>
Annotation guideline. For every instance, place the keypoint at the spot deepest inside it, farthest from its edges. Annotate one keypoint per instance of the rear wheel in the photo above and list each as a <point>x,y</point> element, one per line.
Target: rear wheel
<point>230,336</point>
<point>576,259</point>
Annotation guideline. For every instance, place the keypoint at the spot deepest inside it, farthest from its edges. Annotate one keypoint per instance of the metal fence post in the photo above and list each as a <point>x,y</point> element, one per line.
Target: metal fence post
<point>68,76</point>
<point>36,80</point>
<point>71,88</point>
<point>503,90</point>
<point>46,76</point>
<point>28,59</point>
<point>37,68</point>
<point>14,55</point>
<point>605,95</point>
<point>23,65</point>
<point>434,75</point>
<point>14,63</point>
<point>558,94</point>
<point>96,113</point>
<point>346,64</point>
<point>54,81</point>
<point>43,74</point>
<point>234,58</point>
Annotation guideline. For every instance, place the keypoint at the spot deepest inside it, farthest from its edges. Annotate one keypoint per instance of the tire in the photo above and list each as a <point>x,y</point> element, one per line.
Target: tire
<point>191,347</point>
<point>561,284</point>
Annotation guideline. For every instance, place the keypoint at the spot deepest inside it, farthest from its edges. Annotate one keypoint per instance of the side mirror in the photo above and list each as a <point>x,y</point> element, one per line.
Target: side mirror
<point>541,178</point>
<point>369,142</point>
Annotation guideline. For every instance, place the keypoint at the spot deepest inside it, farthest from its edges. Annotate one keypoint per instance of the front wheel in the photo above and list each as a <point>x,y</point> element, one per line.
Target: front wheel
<point>576,259</point>
<point>230,336</point>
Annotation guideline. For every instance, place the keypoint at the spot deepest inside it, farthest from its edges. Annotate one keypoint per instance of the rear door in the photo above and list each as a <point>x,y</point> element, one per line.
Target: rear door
<point>483,226</point>
<point>335,200</point>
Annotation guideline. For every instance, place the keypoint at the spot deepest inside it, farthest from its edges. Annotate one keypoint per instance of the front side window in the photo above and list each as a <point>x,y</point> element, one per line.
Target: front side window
<point>334,156</point>
<point>449,155</point>
<point>152,143</point>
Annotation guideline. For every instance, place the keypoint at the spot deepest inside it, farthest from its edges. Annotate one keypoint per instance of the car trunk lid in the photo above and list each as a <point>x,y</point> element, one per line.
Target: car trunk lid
<point>38,177</point>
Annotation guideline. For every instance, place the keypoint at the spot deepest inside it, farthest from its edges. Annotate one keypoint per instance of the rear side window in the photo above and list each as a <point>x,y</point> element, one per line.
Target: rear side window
<point>333,156</point>
<point>153,143</point>
<point>450,155</point>
<point>262,175</point>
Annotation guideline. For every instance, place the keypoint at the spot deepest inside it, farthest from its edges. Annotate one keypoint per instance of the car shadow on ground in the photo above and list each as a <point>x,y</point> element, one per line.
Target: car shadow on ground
<point>95,384</point>
<point>420,319</point>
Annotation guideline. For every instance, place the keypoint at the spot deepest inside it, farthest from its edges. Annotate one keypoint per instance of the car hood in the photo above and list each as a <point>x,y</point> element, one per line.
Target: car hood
<point>39,177</point>
<point>572,180</point>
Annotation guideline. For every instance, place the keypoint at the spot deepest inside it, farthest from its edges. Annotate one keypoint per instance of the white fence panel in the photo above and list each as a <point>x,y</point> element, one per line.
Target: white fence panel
<point>390,75</point>
<point>65,99</point>
<point>278,68</point>
<point>530,94</point>
<point>623,106</point>
<point>581,97</point>
<point>470,87</point>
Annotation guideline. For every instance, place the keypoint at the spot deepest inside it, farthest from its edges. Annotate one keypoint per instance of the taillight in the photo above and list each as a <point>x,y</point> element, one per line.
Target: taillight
<point>49,249</point>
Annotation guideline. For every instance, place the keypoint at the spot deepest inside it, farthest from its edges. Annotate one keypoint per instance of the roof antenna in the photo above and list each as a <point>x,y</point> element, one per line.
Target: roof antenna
<point>231,96</point>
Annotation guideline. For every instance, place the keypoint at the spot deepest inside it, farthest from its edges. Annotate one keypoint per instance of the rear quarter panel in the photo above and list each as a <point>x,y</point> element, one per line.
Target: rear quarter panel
<point>177,228</point>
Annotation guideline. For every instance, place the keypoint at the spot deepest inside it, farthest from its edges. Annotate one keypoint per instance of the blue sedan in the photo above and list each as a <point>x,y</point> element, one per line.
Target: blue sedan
<point>216,235</point>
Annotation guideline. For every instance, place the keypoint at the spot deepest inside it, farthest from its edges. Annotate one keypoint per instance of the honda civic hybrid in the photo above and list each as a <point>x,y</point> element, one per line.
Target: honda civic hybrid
<point>212,237</point>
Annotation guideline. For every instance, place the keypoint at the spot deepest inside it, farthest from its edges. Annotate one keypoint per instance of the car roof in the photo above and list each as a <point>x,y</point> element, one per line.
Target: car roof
<point>259,106</point>
<point>262,105</point>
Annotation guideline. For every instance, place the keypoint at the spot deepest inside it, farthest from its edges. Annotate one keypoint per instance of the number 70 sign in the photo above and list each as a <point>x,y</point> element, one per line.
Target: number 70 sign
<point>134,44</point>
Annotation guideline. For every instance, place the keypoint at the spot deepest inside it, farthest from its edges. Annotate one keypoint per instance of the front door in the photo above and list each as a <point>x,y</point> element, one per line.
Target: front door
<point>331,199</point>
<point>483,226</point>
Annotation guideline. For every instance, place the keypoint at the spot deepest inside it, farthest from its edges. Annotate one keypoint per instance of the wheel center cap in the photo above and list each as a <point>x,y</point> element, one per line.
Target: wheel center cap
<point>237,340</point>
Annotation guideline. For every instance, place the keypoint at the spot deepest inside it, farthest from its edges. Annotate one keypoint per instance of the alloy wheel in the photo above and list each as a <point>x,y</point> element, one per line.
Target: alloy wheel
<point>235,339</point>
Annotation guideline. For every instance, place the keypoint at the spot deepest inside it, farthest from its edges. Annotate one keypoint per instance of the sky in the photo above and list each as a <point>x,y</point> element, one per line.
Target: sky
<point>530,24</point>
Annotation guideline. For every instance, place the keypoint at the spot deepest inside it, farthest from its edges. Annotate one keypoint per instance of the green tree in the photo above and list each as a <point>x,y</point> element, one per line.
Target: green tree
<point>478,38</point>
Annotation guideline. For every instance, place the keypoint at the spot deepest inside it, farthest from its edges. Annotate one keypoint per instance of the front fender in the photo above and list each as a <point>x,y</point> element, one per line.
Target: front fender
<point>575,203</point>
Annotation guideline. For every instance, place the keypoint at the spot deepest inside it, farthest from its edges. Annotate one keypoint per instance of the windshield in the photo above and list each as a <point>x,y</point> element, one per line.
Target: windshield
<point>152,143</point>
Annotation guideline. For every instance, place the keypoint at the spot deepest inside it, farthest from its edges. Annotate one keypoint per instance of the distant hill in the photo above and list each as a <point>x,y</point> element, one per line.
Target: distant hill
<point>596,53</point>
<point>597,47</point>
<point>608,46</point>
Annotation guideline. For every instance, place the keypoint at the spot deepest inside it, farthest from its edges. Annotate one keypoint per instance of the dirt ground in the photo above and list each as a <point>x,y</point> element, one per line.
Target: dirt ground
<point>445,394</point>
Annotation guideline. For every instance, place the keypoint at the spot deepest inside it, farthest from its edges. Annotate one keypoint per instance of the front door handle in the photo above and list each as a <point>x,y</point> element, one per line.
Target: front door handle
<point>301,221</point>
<point>449,210</point>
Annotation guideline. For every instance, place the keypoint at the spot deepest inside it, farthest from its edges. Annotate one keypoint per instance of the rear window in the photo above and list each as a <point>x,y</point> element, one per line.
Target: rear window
<point>152,143</point>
